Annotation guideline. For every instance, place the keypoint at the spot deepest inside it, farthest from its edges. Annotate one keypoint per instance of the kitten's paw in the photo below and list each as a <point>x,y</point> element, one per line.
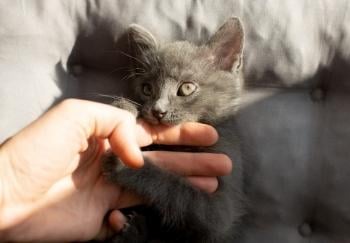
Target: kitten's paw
<point>112,166</point>
<point>134,230</point>
<point>131,218</point>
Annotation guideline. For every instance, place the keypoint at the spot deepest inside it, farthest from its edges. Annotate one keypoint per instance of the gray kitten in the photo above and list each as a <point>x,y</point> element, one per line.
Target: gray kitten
<point>173,83</point>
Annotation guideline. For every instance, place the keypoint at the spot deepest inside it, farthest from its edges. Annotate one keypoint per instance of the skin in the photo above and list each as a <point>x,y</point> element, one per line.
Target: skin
<point>51,185</point>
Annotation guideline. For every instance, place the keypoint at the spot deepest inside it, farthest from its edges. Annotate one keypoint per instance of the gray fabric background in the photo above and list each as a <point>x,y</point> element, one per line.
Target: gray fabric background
<point>296,112</point>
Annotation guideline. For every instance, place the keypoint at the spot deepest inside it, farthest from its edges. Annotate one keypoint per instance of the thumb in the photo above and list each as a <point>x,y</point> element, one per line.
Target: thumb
<point>106,122</point>
<point>113,224</point>
<point>123,141</point>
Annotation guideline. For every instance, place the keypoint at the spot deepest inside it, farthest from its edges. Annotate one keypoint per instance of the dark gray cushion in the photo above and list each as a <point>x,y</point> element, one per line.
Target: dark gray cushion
<point>296,112</point>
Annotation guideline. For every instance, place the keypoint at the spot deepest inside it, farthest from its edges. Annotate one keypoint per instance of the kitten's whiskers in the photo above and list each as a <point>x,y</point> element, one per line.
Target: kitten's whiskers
<point>116,97</point>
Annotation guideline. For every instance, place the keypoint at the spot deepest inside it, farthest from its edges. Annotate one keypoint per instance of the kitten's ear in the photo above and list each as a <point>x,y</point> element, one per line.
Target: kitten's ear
<point>227,45</point>
<point>140,39</point>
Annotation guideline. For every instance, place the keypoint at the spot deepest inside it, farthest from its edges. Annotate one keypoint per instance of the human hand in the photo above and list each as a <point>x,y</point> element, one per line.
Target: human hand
<point>50,179</point>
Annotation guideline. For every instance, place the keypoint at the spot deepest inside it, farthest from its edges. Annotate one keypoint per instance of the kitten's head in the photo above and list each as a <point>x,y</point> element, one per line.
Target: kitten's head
<point>179,81</point>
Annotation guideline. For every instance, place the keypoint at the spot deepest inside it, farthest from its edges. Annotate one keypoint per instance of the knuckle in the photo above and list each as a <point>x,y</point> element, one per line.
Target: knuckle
<point>69,102</point>
<point>129,118</point>
<point>70,105</point>
<point>223,165</point>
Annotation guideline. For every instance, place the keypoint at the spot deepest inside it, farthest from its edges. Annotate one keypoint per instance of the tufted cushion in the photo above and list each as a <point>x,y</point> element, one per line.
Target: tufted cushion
<point>296,111</point>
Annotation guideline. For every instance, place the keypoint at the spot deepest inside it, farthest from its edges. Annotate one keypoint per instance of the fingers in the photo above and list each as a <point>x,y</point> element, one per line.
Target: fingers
<point>190,133</point>
<point>206,184</point>
<point>116,220</point>
<point>125,136</point>
<point>88,119</point>
<point>114,223</point>
<point>201,169</point>
<point>192,164</point>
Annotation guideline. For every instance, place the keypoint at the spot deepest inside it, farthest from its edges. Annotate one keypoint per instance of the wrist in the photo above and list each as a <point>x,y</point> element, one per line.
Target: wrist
<point>5,188</point>
<point>12,209</point>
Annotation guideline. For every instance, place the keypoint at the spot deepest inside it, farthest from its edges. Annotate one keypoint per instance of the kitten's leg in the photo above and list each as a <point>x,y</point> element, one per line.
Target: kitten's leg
<point>179,204</point>
<point>135,230</point>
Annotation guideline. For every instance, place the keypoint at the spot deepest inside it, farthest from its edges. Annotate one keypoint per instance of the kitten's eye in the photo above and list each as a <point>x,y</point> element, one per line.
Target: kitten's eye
<point>147,89</point>
<point>187,89</point>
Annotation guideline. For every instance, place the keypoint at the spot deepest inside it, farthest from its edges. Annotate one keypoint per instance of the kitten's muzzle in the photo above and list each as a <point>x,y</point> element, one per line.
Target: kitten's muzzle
<point>158,114</point>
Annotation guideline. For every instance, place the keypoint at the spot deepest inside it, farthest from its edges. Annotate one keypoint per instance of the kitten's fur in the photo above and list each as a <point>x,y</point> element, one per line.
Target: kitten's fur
<point>213,79</point>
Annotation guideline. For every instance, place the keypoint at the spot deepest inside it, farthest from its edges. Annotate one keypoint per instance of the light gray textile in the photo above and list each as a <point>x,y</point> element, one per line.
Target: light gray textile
<point>296,113</point>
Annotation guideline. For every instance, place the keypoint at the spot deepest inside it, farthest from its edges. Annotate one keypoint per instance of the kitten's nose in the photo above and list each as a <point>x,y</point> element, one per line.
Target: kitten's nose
<point>159,114</point>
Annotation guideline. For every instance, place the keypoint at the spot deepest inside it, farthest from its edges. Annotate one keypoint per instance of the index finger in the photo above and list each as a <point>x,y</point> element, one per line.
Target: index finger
<point>190,133</point>
<point>191,164</point>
